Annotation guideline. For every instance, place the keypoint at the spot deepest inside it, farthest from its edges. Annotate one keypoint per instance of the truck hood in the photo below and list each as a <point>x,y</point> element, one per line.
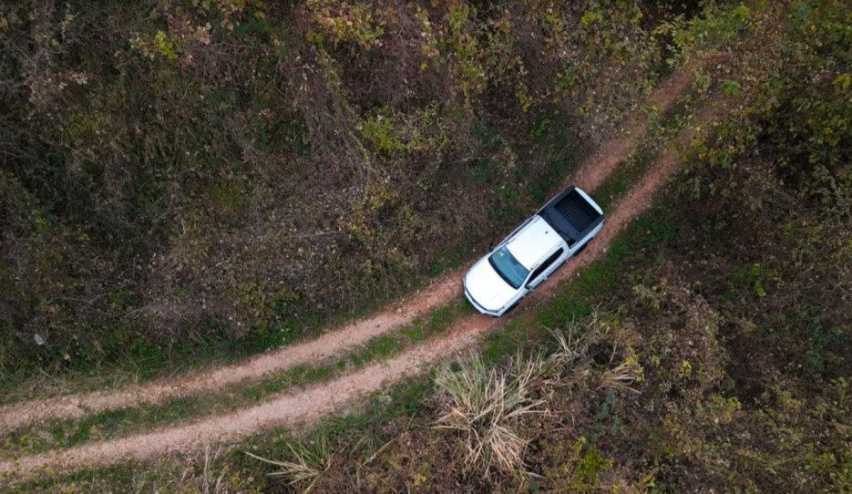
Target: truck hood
<point>486,287</point>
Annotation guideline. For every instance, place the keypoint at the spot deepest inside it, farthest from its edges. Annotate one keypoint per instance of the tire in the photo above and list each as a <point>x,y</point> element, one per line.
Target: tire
<point>583,247</point>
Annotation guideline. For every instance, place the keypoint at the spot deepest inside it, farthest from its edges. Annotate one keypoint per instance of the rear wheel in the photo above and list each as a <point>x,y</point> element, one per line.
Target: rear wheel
<point>583,247</point>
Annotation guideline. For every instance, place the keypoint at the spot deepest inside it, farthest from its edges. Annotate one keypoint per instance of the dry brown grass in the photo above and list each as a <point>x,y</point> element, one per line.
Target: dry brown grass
<point>484,405</point>
<point>574,342</point>
<point>622,376</point>
<point>209,482</point>
<point>306,463</point>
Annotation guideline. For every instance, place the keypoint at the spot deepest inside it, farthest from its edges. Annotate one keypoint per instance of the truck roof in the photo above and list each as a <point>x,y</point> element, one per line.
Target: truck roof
<point>533,242</point>
<point>571,213</point>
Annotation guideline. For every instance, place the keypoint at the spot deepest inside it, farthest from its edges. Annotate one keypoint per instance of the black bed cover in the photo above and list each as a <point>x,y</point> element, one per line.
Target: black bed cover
<point>570,214</point>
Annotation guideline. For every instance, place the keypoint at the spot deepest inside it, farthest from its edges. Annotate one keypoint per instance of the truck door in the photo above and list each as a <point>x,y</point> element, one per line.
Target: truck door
<point>544,269</point>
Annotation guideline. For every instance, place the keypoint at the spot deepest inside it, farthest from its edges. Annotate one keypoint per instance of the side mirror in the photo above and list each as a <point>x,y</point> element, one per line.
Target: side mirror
<point>491,246</point>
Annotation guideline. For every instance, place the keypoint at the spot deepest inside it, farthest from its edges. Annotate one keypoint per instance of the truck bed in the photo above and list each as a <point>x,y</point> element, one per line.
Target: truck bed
<point>570,214</point>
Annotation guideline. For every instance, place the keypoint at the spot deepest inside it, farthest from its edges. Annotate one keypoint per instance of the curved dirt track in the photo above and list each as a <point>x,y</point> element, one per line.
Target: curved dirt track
<point>306,405</point>
<point>330,343</point>
<point>591,173</point>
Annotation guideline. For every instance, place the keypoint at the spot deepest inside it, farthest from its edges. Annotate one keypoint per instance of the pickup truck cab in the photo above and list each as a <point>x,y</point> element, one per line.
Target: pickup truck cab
<point>534,250</point>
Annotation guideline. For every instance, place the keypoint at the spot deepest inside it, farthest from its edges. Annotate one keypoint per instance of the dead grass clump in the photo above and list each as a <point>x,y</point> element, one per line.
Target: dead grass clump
<point>572,343</point>
<point>305,465</point>
<point>484,405</point>
<point>622,376</point>
<point>211,479</point>
<point>575,347</point>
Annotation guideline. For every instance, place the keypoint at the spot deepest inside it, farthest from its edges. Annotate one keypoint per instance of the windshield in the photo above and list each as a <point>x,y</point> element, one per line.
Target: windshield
<point>508,267</point>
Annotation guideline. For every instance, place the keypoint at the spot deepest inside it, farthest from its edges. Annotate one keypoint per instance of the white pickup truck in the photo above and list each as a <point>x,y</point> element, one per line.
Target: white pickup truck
<point>560,229</point>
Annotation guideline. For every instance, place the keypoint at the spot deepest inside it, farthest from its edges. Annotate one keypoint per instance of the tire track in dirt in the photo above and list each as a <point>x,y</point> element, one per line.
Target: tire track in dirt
<point>323,347</point>
<point>590,174</point>
<point>305,406</point>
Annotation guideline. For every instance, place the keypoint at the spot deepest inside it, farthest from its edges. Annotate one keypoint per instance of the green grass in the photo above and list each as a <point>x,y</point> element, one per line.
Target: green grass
<point>143,361</point>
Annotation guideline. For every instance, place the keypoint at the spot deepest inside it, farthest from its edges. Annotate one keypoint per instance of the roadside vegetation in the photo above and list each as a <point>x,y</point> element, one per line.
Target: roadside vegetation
<point>110,424</point>
<point>185,181</point>
<point>707,350</point>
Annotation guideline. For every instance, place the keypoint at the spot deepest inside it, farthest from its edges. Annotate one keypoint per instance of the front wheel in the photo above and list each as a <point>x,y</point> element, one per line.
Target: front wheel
<point>581,249</point>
